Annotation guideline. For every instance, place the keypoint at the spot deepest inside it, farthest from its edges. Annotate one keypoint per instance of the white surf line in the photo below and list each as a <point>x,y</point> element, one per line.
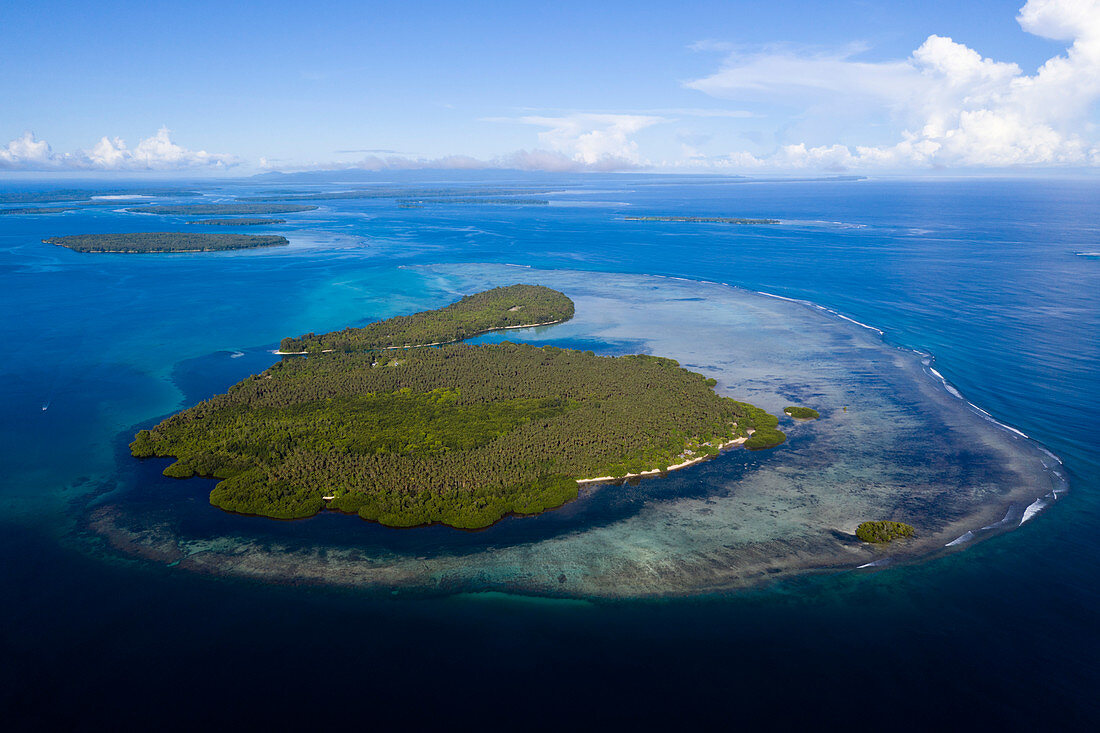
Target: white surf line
<point>952,390</point>
<point>830,311</point>
<point>961,540</point>
<point>1034,508</point>
<point>874,563</point>
<point>927,359</point>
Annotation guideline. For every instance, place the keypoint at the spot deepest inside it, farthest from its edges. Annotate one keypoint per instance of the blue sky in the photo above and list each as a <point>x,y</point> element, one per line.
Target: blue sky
<point>712,87</point>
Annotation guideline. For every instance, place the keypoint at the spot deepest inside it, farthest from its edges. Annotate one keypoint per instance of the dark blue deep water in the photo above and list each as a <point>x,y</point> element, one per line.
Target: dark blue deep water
<point>986,275</point>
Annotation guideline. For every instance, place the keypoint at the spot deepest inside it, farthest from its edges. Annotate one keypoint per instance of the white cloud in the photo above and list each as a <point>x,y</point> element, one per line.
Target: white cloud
<point>156,153</point>
<point>953,107</point>
<point>25,150</point>
<point>592,139</point>
<point>527,160</point>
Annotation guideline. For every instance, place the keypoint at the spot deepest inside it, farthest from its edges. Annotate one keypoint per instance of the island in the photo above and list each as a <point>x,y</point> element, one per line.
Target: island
<point>84,194</point>
<point>473,201</point>
<point>220,209</point>
<point>703,219</point>
<point>513,306</point>
<point>801,413</point>
<point>883,531</point>
<point>160,242</point>
<point>34,210</point>
<point>457,434</point>
<point>383,192</point>
<point>242,222</point>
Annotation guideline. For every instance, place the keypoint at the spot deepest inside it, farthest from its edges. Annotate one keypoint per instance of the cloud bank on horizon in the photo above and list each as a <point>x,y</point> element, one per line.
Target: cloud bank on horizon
<point>155,153</point>
<point>943,106</point>
<point>956,107</point>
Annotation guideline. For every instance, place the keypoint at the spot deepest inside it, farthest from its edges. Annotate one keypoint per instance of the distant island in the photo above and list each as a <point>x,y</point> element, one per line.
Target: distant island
<point>220,209</point>
<point>33,210</point>
<point>84,194</point>
<point>385,192</point>
<point>514,306</point>
<point>883,531</point>
<point>473,201</point>
<point>242,222</point>
<point>703,219</point>
<point>802,413</point>
<point>159,242</point>
<point>460,434</point>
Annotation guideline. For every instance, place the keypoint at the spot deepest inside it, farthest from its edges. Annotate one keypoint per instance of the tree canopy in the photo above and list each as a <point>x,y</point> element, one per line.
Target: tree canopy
<point>499,308</point>
<point>154,242</point>
<point>458,434</point>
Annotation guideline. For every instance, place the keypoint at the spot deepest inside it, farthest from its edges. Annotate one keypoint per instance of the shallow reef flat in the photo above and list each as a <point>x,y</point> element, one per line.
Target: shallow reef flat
<point>891,443</point>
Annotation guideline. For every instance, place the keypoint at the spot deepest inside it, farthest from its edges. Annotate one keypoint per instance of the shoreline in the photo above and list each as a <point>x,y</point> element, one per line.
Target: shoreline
<point>687,547</point>
<point>657,471</point>
<point>435,343</point>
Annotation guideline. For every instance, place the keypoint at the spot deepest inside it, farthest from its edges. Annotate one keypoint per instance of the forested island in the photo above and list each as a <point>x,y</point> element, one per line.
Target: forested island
<point>84,194</point>
<point>220,209</point>
<point>801,413</point>
<point>883,531</point>
<point>383,192</point>
<point>34,210</point>
<point>474,201</point>
<point>461,434</point>
<point>703,219</point>
<point>241,222</point>
<point>513,306</point>
<point>159,242</point>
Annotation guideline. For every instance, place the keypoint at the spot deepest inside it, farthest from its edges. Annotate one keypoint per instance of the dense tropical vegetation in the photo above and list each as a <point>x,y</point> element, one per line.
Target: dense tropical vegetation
<point>460,434</point>
<point>802,413</point>
<point>154,242</point>
<point>766,432</point>
<point>883,531</point>
<point>506,307</point>
<point>32,210</point>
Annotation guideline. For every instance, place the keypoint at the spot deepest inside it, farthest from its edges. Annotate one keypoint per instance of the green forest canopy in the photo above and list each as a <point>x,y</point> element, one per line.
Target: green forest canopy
<point>882,531</point>
<point>155,242</point>
<point>460,434</point>
<point>33,210</point>
<point>490,310</point>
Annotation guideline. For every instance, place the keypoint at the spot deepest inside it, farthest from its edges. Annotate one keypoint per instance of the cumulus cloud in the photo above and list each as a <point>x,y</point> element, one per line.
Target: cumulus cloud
<point>527,160</point>
<point>592,139</point>
<point>25,150</point>
<point>953,106</point>
<point>576,142</point>
<point>157,153</point>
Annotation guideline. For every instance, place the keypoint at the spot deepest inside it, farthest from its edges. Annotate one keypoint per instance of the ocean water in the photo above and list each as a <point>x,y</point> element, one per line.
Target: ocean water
<point>129,598</point>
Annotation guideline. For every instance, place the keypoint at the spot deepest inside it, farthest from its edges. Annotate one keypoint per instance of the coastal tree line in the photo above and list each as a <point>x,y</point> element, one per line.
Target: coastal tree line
<point>512,305</point>
<point>459,434</point>
<point>151,242</point>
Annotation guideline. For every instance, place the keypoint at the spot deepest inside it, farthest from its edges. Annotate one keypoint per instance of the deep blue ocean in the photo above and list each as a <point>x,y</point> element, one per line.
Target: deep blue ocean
<point>986,275</point>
